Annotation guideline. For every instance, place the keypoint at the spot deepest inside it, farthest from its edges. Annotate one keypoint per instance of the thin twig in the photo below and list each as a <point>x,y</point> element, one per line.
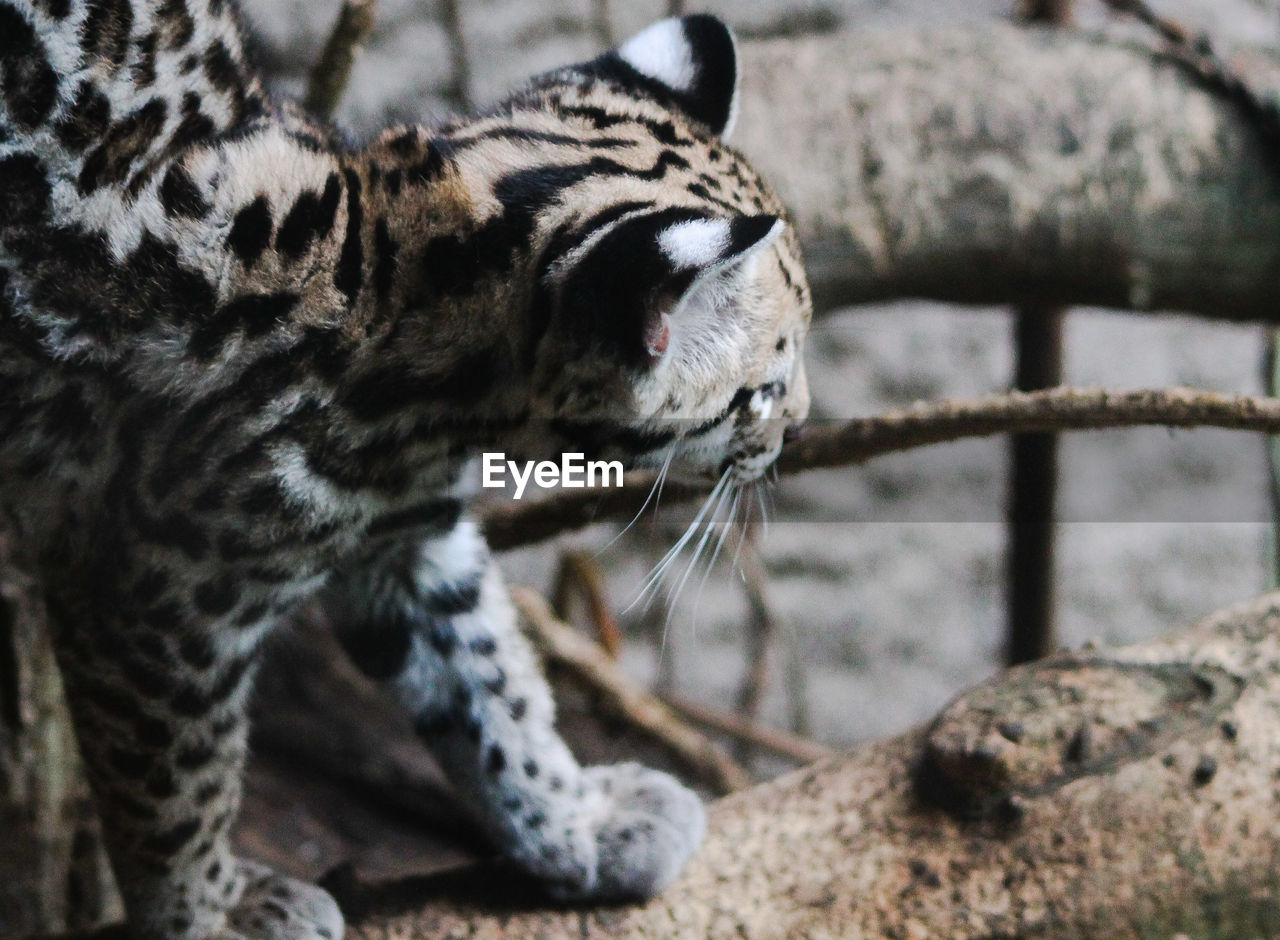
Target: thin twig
<point>580,574</point>
<point>761,628</point>
<point>510,525</point>
<point>459,90</point>
<point>762,632</point>
<point>602,23</point>
<point>1196,52</point>
<point>1169,29</point>
<point>795,678</point>
<point>859,440</point>
<point>588,664</point>
<point>1057,12</point>
<point>328,78</point>
<point>790,746</point>
<point>1055,409</point>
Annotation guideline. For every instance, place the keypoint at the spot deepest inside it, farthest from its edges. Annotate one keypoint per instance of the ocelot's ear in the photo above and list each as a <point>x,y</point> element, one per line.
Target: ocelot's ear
<point>689,64</point>
<point>631,293</point>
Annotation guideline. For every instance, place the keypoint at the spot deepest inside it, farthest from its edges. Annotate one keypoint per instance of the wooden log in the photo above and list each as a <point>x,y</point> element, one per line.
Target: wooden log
<point>53,872</point>
<point>1006,164</point>
<point>1118,793</point>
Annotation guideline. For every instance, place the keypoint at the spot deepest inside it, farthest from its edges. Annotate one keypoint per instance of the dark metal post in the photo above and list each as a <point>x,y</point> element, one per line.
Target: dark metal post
<point>1033,485</point>
<point>1033,472</point>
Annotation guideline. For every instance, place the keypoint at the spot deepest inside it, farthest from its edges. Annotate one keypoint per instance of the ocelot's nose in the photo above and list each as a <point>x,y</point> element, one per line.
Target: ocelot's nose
<point>793,432</point>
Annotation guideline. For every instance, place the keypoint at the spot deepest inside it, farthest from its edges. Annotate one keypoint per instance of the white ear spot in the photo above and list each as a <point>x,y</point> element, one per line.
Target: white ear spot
<point>662,53</point>
<point>732,121</point>
<point>696,243</point>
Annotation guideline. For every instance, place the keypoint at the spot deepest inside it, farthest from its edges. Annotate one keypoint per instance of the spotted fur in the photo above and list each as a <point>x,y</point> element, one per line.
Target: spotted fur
<point>242,362</point>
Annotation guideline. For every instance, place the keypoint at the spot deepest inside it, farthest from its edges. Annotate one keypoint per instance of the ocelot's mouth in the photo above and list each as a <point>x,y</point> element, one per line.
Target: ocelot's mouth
<point>742,466</point>
<point>744,471</point>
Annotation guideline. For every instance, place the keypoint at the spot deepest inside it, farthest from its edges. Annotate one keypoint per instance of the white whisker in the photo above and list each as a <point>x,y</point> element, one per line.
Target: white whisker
<point>724,532</point>
<point>673,596</point>
<point>656,574</point>
<point>662,479</point>
<point>707,530</point>
<point>764,510</point>
<point>728,524</point>
<point>744,530</point>
<point>656,488</point>
<point>770,493</point>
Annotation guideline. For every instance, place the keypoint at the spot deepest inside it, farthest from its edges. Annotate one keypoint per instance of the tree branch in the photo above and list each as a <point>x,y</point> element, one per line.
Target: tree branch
<point>1119,793</point>
<point>1055,409</point>
<point>459,88</point>
<point>580,574</point>
<point>1009,164</point>
<point>328,78</point>
<point>509,525</point>
<point>54,874</point>
<point>780,743</point>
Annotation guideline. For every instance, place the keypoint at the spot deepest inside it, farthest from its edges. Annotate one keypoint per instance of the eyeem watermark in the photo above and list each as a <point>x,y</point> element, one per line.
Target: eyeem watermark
<point>573,471</point>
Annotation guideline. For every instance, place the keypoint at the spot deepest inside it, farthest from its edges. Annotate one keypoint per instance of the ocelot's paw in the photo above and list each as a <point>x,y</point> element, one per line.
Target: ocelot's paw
<point>273,907</point>
<point>646,824</point>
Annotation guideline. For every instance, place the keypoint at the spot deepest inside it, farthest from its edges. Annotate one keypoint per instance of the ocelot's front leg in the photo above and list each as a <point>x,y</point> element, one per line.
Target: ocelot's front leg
<point>159,701</point>
<point>432,620</point>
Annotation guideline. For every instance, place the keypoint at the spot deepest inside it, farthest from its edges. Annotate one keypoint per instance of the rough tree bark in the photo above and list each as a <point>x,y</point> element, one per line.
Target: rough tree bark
<point>1104,793</point>
<point>53,873</point>
<point>1010,163</point>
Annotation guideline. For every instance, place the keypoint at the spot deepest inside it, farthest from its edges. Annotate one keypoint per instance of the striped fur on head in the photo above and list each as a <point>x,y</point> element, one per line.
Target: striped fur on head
<point>666,302</point>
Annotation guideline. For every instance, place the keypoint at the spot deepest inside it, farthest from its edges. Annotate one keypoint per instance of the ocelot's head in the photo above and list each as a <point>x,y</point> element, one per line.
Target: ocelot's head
<point>668,295</point>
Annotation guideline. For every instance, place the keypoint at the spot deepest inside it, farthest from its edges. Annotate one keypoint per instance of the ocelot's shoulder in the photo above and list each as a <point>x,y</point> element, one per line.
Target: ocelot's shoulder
<point>104,91</point>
